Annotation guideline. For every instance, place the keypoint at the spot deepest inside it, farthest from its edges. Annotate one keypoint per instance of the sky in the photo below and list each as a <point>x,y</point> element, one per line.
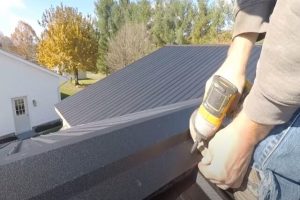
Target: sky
<point>30,11</point>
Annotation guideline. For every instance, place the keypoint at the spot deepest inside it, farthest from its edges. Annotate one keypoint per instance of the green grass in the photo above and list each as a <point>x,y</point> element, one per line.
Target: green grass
<point>69,89</point>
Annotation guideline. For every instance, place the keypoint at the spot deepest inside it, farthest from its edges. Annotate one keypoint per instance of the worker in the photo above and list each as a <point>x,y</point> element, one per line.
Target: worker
<point>265,135</point>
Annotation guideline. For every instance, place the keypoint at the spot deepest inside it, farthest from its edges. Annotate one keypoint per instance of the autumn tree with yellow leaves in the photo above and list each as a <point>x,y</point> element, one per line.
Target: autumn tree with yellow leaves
<point>69,41</point>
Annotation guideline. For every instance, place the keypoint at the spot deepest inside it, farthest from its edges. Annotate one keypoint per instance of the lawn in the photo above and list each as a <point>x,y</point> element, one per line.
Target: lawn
<point>69,89</point>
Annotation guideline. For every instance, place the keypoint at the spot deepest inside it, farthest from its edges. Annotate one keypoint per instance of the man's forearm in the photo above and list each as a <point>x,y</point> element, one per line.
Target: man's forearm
<point>240,50</point>
<point>237,59</point>
<point>234,66</point>
<point>251,132</point>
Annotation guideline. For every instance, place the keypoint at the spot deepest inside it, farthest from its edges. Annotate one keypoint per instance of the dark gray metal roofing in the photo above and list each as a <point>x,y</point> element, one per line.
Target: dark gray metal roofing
<point>124,161</point>
<point>169,75</point>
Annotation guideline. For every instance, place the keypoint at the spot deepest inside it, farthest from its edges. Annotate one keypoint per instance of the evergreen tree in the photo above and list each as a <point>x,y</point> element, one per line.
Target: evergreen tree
<point>212,22</point>
<point>168,21</point>
<point>112,15</point>
<point>157,24</point>
<point>202,22</point>
<point>107,29</point>
<point>141,11</point>
<point>172,22</point>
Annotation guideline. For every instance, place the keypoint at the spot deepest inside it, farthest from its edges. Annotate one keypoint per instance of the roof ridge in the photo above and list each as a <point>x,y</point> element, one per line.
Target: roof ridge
<point>144,113</point>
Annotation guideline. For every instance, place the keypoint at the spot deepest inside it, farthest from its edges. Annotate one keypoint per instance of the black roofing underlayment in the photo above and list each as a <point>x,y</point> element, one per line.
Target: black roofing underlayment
<point>169,75</point>
<point>133,158</point>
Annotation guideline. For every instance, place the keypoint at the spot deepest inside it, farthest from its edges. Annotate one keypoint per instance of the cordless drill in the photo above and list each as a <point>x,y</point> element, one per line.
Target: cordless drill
<point>208,118</point>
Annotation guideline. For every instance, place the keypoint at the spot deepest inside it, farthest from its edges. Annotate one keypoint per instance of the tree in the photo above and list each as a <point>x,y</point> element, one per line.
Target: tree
<point>6,43</point>
<point>157,25</point>
<point>221,22</point>
<point>69,41</point>
<point>111,15</point>
<point>202,22</point>
<point>183,13</point>
<point>25,40</point>
<point>168,21</point>
<point>126,11</point>
<point>213,22</point>
<point>107,29</point>
<point>172,22</point>
<point>141,11</point>
<point>131,43</point>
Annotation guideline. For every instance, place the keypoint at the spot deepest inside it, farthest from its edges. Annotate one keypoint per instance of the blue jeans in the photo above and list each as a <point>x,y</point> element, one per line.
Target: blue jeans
<point>277,159</point>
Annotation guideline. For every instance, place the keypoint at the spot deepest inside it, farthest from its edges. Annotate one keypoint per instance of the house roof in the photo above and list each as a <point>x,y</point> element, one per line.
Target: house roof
<point>169,75</point>
<point>31,64</point>
<point>141,156</point>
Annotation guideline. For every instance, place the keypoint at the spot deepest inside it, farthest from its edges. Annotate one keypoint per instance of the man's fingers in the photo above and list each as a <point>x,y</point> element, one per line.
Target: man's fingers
<point>222,186</point>
<point>206,171</point>
<point>207,158</point>
<point>215,182</point>
<point>210,175</point>
<point>204,151</point>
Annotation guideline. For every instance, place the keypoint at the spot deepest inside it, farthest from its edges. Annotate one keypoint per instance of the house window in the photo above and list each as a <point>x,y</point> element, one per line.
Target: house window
<point>20,107</point>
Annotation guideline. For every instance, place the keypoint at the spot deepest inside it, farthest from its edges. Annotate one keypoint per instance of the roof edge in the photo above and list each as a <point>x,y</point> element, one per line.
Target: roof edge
<point>36,66</point>
<point>203,45</point>
<point>136,116</point>
<point>65,122</point>
<point>196,45</point>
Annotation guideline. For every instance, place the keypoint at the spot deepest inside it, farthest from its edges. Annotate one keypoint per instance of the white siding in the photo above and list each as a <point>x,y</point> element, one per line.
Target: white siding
<point>20,79</point>
<point>81,75</point>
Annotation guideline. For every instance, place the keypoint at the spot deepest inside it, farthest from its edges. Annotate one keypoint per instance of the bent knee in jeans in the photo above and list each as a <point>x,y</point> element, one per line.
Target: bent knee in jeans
<point>277,159</point>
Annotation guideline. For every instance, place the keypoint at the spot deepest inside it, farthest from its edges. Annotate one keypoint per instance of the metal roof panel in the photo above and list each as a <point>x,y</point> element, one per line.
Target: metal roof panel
<point>169,75</point>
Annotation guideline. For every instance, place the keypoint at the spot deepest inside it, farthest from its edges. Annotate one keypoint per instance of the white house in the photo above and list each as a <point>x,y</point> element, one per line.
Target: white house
<point>28,93</point>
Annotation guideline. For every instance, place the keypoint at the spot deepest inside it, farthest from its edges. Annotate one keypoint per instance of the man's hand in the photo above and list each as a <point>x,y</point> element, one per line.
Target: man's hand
<point>229,152</point>
<point>226,160</point>
<point>234,67</point>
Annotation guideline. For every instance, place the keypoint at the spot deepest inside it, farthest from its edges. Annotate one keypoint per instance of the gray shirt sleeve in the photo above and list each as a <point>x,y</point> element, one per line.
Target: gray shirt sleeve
<point>252,16</point>
<point>275,95</point>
